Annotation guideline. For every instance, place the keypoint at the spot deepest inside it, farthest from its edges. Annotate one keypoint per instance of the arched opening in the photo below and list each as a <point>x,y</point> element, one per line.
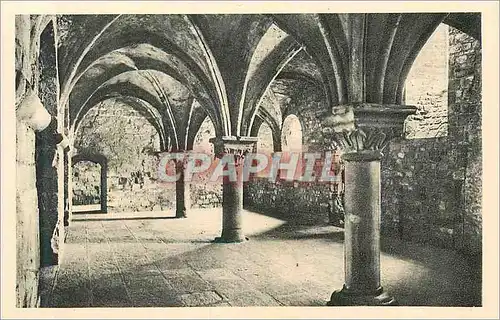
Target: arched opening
<point>129,142</point>
<point>291,134</point>
<point>265,144</point>
<point>89,185</point>
<point>202,138</point>
<point>205,194</point>
<point>426,88</point>
<point>291,143</point>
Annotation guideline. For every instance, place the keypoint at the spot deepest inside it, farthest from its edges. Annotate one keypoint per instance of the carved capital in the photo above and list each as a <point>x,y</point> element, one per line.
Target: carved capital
<point>236,146</point>
<point>388,118</point>
<point>363,130</point>
<point>361,144</point>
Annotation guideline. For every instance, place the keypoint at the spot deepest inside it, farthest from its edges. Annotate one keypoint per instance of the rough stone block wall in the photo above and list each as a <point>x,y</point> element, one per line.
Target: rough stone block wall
<point>128,141</point>
<point>27,213</point>
<point>421,192</point>
<point>431,188</point>
<point>86,183</point>
<point>427,88</point>
<point>465,129</point>
<point>293,201</point>
<point>206,195</point>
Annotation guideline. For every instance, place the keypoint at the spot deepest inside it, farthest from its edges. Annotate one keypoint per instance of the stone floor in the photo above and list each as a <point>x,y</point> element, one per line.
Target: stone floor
<point>150,259</point>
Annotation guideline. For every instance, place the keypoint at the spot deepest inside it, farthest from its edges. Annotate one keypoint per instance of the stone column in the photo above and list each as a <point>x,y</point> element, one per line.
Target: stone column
<point>362,142</point>
<point>104,187</point>
<point>182,190</point>
<point>232,191</point>
<point>68,188</point>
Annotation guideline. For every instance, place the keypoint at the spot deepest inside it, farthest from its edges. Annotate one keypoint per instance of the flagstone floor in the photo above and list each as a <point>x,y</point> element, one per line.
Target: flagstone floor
<point>151,259</point>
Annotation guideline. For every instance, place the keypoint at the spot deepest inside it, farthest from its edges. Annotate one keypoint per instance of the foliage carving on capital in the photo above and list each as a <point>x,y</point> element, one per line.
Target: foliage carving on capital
<point>359,139</point>
<point>238,147</point>
<point>364,128</point>
<point>361,144</point>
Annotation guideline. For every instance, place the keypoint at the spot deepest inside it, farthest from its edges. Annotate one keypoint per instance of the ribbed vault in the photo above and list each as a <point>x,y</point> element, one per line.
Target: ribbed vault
<point>224,66</point>
<point>363,57</point>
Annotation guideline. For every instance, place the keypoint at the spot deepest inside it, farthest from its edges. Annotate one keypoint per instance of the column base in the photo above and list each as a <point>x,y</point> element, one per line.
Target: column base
<point>230,238</point>
<point>346,297</point>
<point>180,215</point>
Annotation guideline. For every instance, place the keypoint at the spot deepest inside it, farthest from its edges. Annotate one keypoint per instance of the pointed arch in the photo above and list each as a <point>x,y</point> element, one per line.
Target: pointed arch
<point>270,68</point>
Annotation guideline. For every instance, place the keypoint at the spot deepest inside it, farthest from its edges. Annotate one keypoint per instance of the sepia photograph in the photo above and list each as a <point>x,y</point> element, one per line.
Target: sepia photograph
<point>208,158</point>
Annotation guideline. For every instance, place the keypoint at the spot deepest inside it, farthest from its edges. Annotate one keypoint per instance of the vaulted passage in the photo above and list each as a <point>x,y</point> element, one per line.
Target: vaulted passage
<point>249,160</point>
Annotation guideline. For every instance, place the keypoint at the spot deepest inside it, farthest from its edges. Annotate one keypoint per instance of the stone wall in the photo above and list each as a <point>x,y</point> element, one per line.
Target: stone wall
<point>28,242</point>
<point>426,88</point>
<point>86,183</point>
<point>205,194</point>
<point>129,142</point>
<point>49,156</point>
<point>27,214</point>
<point>465,130</point>
<point>294,201</point>
<point>431,188</point>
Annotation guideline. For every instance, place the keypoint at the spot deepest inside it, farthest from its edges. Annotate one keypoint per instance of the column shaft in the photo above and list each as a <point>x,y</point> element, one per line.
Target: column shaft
<point>362,226</point>
<point>182,191</point>
<point>104,187</point>
<point>232,190</point>
<point>361,131</point>
<point>232,206</point>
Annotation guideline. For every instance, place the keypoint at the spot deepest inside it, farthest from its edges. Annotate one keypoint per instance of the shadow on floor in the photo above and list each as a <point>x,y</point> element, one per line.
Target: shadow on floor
<point>468,267</point>
<point>293,231</point>
<point>319,229</point>
<point>237,275</point>
<point>123,263</point>
<point>122,218</point>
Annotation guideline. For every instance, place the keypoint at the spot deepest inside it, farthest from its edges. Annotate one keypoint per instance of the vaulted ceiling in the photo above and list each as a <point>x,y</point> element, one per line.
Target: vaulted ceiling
<point>178,69</point>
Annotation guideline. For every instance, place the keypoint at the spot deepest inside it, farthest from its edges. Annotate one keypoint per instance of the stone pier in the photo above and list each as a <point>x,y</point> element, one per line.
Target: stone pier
<point>232,190</point>
<point>366,129</point>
